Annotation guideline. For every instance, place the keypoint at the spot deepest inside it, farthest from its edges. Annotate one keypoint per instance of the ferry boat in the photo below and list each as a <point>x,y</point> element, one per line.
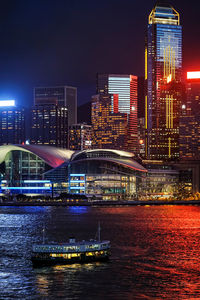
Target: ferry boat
<point>71,252</point>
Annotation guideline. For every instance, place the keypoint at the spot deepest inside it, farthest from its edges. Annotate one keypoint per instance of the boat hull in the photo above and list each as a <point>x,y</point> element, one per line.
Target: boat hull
<point>49,261</point>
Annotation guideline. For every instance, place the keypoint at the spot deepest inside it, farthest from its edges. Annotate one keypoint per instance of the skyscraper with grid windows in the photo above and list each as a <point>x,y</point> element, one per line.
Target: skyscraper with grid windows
<point>163,67</point>
<point>123,91</point>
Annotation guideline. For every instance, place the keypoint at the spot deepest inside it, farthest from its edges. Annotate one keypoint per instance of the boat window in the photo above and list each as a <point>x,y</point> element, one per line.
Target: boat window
<point>89,253</point>
<point>92,246</point>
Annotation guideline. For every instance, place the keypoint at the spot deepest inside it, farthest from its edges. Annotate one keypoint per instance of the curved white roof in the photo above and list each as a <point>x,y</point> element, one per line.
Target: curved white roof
<point>52,156</point>
<point>118,152</point>
<point>130,163</point>
<point>55,157</point>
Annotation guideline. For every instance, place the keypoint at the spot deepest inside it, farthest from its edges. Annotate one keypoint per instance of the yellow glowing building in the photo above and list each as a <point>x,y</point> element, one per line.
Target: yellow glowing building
<point>109,128</point>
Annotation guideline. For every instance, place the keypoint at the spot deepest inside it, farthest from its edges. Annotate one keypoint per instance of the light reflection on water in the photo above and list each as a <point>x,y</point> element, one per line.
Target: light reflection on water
<point>155,253</point>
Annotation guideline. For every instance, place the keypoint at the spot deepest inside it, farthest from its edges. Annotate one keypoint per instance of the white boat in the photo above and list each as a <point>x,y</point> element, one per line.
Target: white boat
<point>71,252</point>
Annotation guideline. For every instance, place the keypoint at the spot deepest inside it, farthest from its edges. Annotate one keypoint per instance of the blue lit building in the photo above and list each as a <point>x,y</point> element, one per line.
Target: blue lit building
<point>163,66</point>
<point>12,123</point>
<point>22,168</point>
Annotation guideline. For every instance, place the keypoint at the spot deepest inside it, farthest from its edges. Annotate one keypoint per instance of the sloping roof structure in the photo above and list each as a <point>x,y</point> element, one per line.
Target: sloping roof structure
<point>118,153</point>
<point>129,163</point>
<point>52,156</point>
<point>56,157</point>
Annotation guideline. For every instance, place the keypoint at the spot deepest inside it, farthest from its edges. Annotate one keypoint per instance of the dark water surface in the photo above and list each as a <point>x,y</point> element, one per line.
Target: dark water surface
<point>155,253</point>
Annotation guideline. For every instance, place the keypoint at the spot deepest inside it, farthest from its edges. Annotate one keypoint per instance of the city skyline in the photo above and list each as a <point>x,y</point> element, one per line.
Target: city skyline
<point>100,124</point>
<point>39,49</point>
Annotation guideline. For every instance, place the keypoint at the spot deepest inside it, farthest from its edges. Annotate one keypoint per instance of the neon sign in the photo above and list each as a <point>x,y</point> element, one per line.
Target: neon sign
<point>193,75</point>
<point>4,103</point>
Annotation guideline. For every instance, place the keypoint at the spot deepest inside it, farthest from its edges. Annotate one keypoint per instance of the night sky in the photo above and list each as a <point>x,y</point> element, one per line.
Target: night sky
<point>46,42</point>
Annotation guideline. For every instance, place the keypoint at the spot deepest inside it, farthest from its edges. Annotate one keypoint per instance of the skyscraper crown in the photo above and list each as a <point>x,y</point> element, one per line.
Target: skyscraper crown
<point>164,14</point>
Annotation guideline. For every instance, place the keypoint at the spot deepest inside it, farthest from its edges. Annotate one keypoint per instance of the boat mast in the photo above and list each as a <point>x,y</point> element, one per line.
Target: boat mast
<point>43,233</point>
<point>99,232</point>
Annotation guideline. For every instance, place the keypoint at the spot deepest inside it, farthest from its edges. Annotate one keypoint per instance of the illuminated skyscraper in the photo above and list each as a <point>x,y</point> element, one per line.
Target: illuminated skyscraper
<point>190,119</point>
<point>12,123</point>
<point>109,128</point>
<point>60,95</point>
<point>49,125</point>
<point>123,89</point>
<point>163,65</point>
<point>80,137</point>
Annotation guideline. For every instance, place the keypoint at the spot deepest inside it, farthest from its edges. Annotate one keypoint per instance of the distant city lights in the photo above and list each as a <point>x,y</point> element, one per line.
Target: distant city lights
<point>183,106</point>
<point>193,75</point>
<point>4,103</point>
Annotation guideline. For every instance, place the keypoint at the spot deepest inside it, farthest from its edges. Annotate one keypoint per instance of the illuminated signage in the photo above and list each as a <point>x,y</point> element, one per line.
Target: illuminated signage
<point>37,181</point>
<point>193,75</point>
<point>77,174</point>
<point>88,143</point>
<point>26,188</point>
<point>7,103</point>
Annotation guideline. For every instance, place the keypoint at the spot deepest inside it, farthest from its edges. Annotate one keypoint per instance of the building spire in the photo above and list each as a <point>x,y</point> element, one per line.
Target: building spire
<point>164,13</point>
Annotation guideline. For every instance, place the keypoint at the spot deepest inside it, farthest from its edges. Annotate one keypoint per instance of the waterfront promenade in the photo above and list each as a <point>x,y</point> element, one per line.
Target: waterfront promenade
<point>103,203</point>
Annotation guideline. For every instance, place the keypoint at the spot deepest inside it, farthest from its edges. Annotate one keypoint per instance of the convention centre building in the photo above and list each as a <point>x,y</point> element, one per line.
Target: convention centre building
<point>46,170</point>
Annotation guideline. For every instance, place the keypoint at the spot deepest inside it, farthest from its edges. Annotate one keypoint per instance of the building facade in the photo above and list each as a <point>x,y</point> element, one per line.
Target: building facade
<point>49,125</point>
<point>22,168</point>
<point>162,180</point>
<point>163,66</point>
<point>64,96</point>
<point>109,128</point>
<point>80,137</point>
<point>103,174</point>
<point>141,137</point>
<point>123,89</point>
<point>12,123</point>
<point>190,119</point>
<point>100,173</point>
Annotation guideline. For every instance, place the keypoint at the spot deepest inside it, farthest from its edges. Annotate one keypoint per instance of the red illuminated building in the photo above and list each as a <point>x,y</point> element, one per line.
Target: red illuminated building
<point>190,119</point>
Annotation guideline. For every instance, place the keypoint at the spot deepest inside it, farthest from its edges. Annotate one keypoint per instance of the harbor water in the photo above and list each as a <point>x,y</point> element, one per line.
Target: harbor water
<point>155,252</point>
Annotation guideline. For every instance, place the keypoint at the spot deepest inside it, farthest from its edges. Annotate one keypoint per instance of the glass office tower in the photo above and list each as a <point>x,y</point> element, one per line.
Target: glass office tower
<point>190,119</point>
<point>163,66</point>
<point>12,123</point>
<point>64,96</point>
<point>49,125</point>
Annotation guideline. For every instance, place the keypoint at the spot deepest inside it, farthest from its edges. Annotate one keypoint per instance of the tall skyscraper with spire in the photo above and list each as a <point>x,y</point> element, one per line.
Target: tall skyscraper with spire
<point>163,68</point>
